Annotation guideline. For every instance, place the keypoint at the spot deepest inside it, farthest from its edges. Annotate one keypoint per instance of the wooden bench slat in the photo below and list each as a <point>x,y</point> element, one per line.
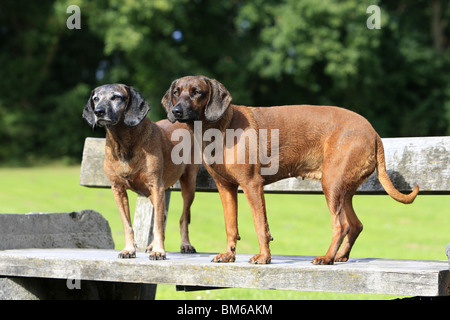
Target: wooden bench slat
<point>409,161</point>
<point>361,275</point>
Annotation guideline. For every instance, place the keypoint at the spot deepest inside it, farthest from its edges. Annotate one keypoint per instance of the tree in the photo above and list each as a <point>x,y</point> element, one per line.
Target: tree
<point>322,52</point>
<point>43,64</point>
<point>266,52</point>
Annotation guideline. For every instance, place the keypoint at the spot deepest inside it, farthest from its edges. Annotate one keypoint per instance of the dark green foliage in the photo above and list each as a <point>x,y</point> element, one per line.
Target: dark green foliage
<point>266,52</point>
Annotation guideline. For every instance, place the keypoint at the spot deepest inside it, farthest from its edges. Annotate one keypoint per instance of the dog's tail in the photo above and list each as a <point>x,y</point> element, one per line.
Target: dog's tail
<point>386,181</point>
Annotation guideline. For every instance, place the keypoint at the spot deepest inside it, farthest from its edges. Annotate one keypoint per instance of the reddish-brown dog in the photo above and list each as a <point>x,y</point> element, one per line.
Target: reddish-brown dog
<point>138,158</point>
<point>334,145</point>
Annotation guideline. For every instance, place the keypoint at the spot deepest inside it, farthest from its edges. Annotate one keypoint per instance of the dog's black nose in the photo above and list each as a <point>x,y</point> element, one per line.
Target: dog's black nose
<point>99,111</point>
<point>177,111</point>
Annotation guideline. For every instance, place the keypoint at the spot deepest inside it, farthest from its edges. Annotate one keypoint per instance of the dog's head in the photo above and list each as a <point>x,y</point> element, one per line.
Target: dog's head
<point>111,103</point>
<point>194,98</point>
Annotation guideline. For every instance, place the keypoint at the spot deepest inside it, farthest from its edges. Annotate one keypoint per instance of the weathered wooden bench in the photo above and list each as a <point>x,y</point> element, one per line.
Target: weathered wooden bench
<point>425,161</point>
<point>24,235</point>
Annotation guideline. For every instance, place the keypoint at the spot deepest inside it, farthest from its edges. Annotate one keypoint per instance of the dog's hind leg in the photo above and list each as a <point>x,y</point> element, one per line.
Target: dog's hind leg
<point>342,174</point>
<point>354,229</point>
<point>335,197</point>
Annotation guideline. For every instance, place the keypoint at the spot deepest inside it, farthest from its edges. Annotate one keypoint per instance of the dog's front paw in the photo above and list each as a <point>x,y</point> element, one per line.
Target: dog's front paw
<point>323,260</point>
<point>157,255</point>
<point>229,256</point>
<point>187,248</point>
<point>261,259</point>
<point>127,253</point>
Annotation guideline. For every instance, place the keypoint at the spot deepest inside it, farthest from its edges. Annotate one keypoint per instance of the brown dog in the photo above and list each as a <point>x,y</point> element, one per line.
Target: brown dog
<point>331,144</point>
<point>137,157</point>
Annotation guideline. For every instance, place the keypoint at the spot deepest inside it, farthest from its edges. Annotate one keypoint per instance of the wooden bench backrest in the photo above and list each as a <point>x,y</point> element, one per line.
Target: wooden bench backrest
<point>409,161</point>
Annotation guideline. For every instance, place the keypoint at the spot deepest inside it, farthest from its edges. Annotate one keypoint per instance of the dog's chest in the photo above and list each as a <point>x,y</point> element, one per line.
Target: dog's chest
<point>125,170</point>
<point>122,170</point>
<point>121,164</point>
<point>133,179</point>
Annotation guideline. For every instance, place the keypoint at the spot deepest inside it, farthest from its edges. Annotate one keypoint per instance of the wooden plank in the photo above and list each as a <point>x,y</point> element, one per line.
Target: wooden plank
<point>143,222</point>
<point>358,275</point>
<point>409,161</point>
<point>92,164</point>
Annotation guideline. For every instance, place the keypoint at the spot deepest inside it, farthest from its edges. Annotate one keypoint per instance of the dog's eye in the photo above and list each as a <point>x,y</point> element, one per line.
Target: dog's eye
<point>176,93</point>
<point>196,92</point>
<point>95,99</point>
<point>114,97</point>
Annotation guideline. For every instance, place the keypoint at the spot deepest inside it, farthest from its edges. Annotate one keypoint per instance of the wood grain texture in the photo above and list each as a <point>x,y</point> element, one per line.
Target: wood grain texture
<point>361,275</point>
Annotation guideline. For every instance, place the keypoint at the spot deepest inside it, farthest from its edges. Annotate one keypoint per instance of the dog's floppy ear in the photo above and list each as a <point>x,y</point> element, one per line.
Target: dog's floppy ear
<point>88,111</point>
<point>166,101</point>
<point>137,108</point>
<point>219,100</point>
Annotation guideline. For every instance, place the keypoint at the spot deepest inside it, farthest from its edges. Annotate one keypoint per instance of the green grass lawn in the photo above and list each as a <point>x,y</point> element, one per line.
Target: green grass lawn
<point>300,224</point>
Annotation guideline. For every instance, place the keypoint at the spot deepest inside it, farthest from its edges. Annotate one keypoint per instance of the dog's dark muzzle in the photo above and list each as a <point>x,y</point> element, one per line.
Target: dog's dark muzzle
<point>100,111</point>
<point>183,113</point>
<point>104,116</point>
<point>177,112</point>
